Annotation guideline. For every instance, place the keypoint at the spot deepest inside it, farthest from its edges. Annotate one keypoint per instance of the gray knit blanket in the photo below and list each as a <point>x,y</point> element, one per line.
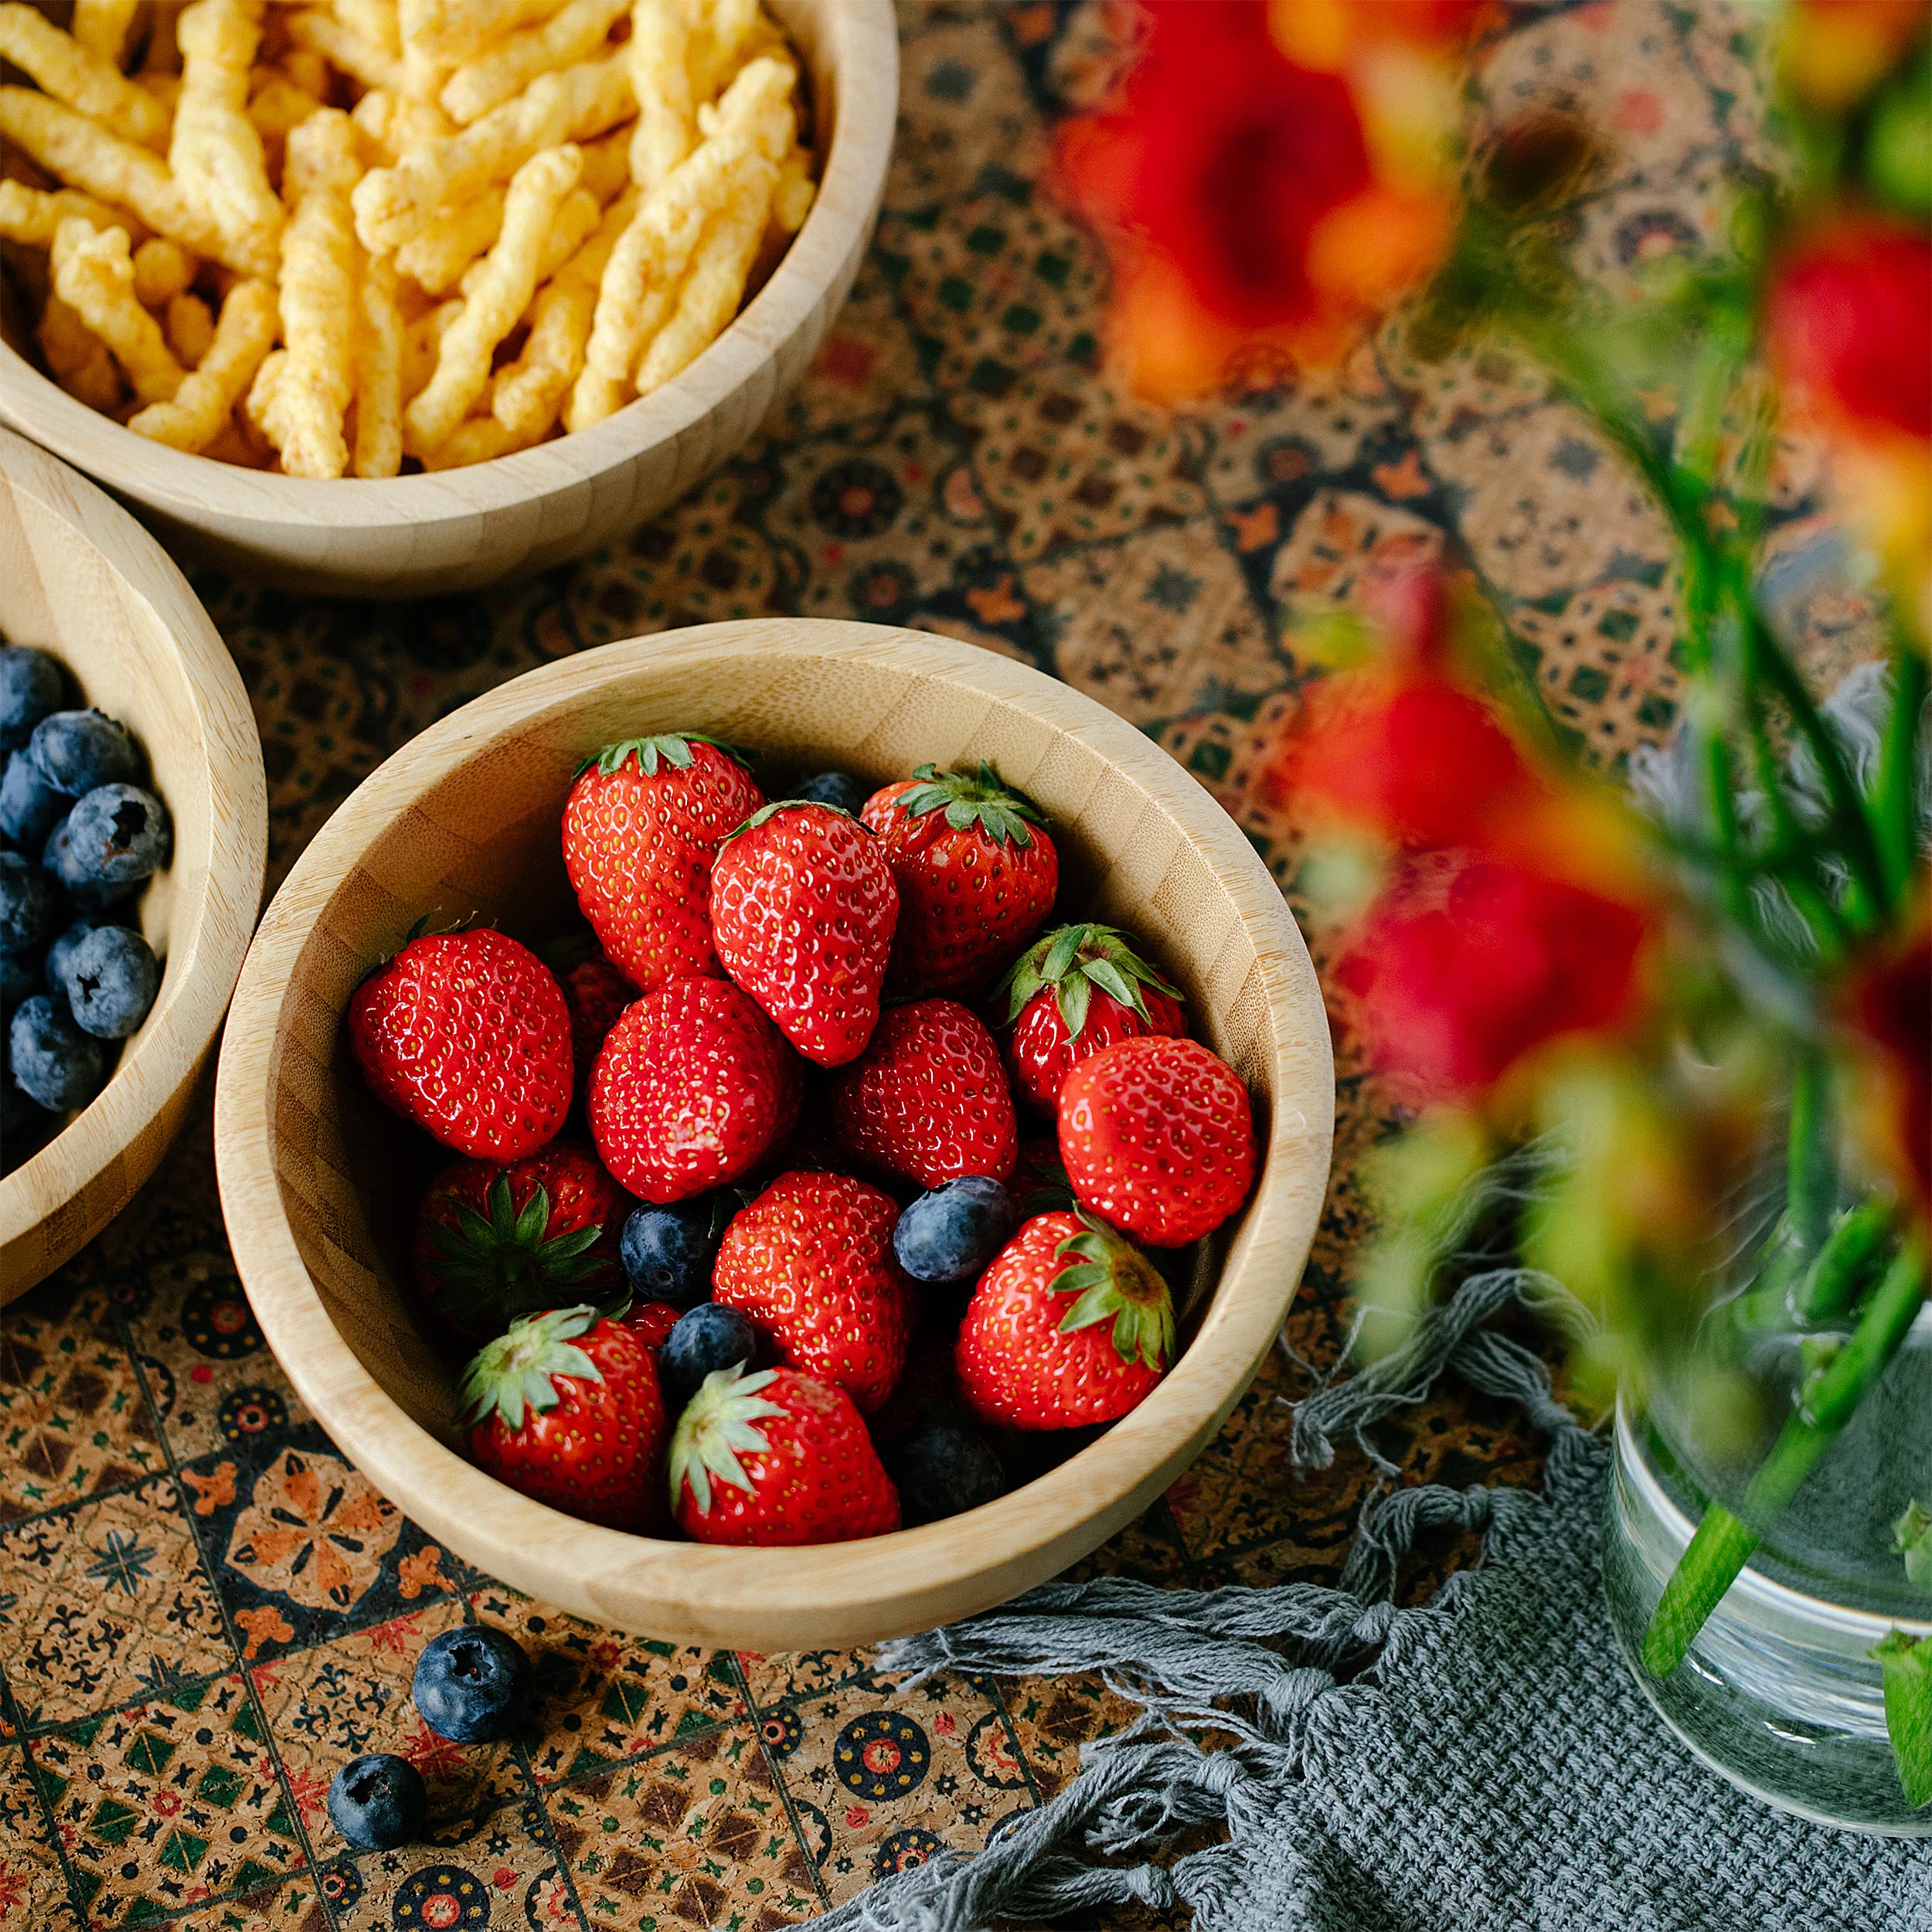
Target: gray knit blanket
<point>1482,1763</point>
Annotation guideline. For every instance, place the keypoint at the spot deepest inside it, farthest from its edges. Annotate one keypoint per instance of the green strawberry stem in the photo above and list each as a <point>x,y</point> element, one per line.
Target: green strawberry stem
<point>720,1420</point>
<point>967,799</point>
<point>764,812</point>
<point>503,1263</point>
<point>1073,960</point>
<point>672,748</point>
<point>1115,1282</point>
<point>1723,1543</point>
<point>518,1370</point>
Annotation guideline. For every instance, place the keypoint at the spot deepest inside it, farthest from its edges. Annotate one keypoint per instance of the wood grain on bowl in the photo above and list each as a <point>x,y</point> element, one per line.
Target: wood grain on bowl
<point>80,578</point>
<point>314,1181</point>
<point>417,535</point>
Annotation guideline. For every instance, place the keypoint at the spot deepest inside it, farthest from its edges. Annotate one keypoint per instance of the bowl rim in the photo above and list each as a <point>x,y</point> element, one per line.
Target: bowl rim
<point>168,1052</point>
<point>837,1591</point>
<point>864,36</point>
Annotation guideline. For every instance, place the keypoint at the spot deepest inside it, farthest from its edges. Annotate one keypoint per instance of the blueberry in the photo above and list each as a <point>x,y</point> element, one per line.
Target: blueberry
<point>18,976</point>
<point>836,788</point>
<point>77,750</point>
<point>668,1251</point>
<point>26,906</point>
<point>63,945</point>
<point>470,1683</point>
<point>59,862</point>
<point>29,807</point>
<point>940,1469</point>
<point>117,835</point>
<point>29,688</point>
<point>378,1802</point>
<point>110,979</point>
<point>951,1234</point>
<point>55,1062</point>
<point>710,1337</point>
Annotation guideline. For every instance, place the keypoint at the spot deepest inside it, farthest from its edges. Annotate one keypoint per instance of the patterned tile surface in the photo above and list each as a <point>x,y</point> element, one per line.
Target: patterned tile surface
<point>205,1610</point>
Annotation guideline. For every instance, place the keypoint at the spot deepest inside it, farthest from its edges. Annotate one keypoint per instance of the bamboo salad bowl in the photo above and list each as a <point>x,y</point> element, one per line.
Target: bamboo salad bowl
<point>319,1192</point>
<point>80,578</point>
<point>417,535</point>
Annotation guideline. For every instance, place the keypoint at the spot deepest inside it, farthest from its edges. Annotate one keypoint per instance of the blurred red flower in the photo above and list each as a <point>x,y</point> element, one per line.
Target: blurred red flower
<point>1238,197</point>
<point>1889,1008</point>
<point>1850,324</point>
<point>1452,997</point>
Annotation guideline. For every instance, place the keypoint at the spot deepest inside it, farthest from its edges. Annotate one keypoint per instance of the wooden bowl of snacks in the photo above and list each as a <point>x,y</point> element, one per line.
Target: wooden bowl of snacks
<point>432,315</point>
<point>110,1034</point>
<point>698,1083</point>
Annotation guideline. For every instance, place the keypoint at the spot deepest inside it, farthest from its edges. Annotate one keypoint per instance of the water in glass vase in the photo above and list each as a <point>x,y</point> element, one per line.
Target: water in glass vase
<point>1780,1690</point>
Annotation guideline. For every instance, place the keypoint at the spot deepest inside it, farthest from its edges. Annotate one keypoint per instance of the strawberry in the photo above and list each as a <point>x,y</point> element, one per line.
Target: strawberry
<point>651,1322</point>
<point>595,993</point>
<point>495,1242</point>
<point>810,1261</point>
<point>976,872</point>
<point>1069,1325</point>
<point>694,1087</point>
<point>803,908</point>
<point>565,1407</point>
<point>1076,990</point>
<point>467,1035</point>
<point>928,1100</point>
<point>642,825</point>
<point>1157,1137</point>
<point>777,1458</point>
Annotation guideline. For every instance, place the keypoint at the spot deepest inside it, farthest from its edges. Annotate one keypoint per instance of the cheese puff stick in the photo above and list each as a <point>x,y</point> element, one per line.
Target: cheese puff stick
<point>259,407</point>
<point>754,119</point>
<point>76,357</point>
<point>162,269</point>
<point>716,283</point>
<point>720,42</point>
<point>394,123</point>
<point>477,439</point>
<point>588,98</point>
<point>374,20</point>
<point>101,27</point>
<point>574,223</point>
<point>455,28</point>
<point>68,72</point>
<point>379,373</point>
<point>574,33</point>
<point>201,406</point>
<point>421,341</point>
<point>792,201</point>
<point>189,328</point>
<point>319,296</point>
<point>216,154</point>
<point>31,215</point>
<point>94,274</point>
<point>278,106</point>
<point>86,156</point>
<point>509,279</point>
<point>342,46</point>
<point>529,392</point>
<point>667,127</point>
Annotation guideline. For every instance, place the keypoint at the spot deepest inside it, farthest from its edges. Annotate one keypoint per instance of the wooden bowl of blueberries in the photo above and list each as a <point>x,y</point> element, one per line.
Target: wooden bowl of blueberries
<point>775,1134</point>
<point>133,838</point>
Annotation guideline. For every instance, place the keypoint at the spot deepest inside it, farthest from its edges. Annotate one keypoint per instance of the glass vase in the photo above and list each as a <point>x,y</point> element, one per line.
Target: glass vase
<point>1780,1691</point>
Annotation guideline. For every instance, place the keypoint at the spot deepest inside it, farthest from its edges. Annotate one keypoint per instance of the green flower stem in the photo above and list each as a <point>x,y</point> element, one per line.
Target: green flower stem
<point>1895,788</point>
<point>1830,1288</point>
<point>1724,1543</point>
<point>1810,1172</point>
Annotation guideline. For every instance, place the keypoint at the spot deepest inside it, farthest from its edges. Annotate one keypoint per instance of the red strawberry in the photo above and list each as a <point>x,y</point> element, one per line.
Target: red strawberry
<point>1069,1325</point>
<point>928,1101</point>
<point>976,871</point>
<point>1157,1137</point>
<point>467,1035</point>
<point>565,1407</point>
<point>777,1458</point>
<point>694,1087</point>
<point>595,993</point>
<point>810,1261</point>
<point>1072,992</point>
<point>803,908</point>
<point>651,1322</point>
<point>494,1242</point>
<point>642,825</point>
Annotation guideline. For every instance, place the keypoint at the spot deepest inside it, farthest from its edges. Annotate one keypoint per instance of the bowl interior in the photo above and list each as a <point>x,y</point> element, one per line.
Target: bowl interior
<point>482,841</point>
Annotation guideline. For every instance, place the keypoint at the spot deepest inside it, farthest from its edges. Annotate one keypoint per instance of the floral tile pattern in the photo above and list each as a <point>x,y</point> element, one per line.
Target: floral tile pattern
<point>205,1609</point>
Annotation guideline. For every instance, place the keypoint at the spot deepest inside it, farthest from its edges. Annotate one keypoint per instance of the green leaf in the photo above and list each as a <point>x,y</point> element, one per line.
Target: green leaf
<point>1063,951</point>
<point>1912,1538</point>
<point>1083,1275</point>
<point>1109,979</point>
<point>535,1217</point>
<point>1098,1303</point>
<point>1906,1668</point>
<point>1074,996</point>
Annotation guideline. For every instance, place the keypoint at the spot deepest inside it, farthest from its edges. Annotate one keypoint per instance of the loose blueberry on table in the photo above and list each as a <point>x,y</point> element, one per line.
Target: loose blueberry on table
<point>471,1684</point>
<point>804,1156</point>
<point>379,1802</point>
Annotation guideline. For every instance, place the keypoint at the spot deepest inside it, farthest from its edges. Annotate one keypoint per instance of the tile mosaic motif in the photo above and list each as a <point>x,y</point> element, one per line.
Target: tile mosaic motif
<point>205,1609</point>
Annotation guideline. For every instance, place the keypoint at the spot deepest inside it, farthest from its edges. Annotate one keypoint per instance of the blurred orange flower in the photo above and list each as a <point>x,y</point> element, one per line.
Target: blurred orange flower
<point>1255,195</point>
<point>1836,51</point>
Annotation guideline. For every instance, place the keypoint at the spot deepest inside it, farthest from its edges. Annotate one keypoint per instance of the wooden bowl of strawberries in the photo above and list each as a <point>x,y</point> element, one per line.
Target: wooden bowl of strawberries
<point>776,1134</point>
